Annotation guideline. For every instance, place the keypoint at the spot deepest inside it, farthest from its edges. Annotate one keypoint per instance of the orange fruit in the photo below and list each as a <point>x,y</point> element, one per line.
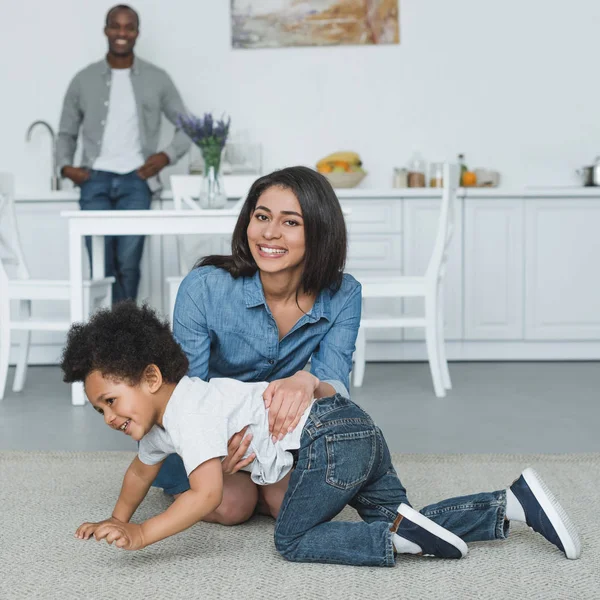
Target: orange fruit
<point>469,179</point>
<point>324,168</point>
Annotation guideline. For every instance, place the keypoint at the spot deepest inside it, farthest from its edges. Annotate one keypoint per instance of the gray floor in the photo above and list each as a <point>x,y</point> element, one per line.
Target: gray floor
<point>494,407</point>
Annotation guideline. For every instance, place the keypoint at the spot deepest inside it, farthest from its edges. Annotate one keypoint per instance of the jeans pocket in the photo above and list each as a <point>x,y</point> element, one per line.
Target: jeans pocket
<point>350,458</point>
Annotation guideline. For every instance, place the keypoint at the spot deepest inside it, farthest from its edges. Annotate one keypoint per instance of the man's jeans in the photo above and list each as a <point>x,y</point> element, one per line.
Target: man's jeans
<point>111,191</point>
<point>344,459</point>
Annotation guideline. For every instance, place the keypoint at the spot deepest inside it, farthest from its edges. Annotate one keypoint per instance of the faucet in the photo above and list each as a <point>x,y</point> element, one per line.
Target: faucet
<point>55,179</point>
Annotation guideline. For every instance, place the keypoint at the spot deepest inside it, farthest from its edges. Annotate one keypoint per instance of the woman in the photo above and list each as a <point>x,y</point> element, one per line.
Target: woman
<point>280,299</point>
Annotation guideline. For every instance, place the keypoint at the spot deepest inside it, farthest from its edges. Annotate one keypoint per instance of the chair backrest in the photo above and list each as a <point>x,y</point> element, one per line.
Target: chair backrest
<point>436,268</point>
<point>11,252</point>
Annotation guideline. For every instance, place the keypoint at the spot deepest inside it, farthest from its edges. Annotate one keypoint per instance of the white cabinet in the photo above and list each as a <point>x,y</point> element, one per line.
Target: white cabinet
<point>562,266</point>
<point>522,280</point>
<point>420,227</point>
<point>493,269</point>
<point>374,236</point>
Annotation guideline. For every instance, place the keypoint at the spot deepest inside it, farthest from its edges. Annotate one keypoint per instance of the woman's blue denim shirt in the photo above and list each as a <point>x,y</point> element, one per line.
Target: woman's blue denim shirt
<point>227,330</point>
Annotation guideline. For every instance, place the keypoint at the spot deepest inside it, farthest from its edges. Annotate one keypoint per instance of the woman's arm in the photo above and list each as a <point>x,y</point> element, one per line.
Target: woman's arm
<point>190,328</point>
<point>332,360</point>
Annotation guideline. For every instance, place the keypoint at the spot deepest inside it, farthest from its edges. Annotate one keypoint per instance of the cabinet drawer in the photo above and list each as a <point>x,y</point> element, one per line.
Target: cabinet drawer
<point>373,216</point>
<point>375,252</point>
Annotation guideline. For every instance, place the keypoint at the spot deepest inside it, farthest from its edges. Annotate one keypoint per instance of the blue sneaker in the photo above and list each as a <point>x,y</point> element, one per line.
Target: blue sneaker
<point>432,538</point>
<point>544,514</point>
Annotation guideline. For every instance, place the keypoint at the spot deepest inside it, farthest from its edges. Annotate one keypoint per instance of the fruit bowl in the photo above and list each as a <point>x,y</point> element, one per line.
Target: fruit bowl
<point>345,180</point>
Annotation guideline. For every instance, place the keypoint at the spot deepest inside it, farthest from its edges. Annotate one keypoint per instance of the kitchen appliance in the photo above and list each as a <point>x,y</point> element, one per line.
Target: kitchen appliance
<point>590,175</point>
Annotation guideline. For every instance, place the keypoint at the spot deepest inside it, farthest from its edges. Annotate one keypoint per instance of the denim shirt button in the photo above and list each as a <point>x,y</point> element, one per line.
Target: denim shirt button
<point>271,361</point>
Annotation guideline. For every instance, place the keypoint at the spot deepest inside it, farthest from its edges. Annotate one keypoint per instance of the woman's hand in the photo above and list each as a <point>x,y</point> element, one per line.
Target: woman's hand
<point>287,399</point>
<point>236,448</point>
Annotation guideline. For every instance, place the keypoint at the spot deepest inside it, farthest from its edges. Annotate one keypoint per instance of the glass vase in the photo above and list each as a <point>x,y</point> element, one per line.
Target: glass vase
<point>212,192</point>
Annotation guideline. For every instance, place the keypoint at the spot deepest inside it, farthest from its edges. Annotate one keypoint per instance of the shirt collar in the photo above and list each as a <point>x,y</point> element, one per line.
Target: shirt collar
<point>181,389</point>
<point>254,295</point>
<point>135,67</point>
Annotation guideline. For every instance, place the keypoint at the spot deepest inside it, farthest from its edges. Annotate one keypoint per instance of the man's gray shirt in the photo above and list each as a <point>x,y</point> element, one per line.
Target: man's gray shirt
<point>86,107</point>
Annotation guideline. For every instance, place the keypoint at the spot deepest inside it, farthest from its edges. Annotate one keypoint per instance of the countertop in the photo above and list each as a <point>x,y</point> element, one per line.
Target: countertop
<point>358,193</point>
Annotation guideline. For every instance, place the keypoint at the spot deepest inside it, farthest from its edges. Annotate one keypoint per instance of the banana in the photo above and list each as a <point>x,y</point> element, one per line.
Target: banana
<point>350,157</point>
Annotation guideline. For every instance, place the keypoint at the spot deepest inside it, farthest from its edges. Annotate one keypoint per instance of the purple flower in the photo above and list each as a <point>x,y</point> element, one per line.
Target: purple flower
<point>204,131</point>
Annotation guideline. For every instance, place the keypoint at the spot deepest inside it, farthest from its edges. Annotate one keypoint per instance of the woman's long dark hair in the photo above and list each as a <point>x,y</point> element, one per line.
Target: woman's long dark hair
<point>324,228</point>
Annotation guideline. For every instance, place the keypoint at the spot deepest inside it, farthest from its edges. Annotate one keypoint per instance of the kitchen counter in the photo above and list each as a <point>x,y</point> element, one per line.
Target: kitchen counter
<point>390,193</point>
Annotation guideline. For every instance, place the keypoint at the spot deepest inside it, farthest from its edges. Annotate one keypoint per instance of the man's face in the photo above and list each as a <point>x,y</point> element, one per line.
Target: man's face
<point>122,32</point>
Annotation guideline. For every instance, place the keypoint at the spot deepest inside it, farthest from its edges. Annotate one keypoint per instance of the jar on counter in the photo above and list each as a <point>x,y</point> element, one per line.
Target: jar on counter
<point>416,172</point>
<point>400,178</point>
<point>436,177</point>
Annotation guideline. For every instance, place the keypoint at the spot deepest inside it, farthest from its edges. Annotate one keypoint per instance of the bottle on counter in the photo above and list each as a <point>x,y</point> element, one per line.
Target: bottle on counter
<point>416,171</point>
<point>436,177</point>
<point>400,179</point>
<point>463,169</point>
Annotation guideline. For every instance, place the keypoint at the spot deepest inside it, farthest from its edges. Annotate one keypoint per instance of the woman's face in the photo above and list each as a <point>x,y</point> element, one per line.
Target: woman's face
<point>276,232</point>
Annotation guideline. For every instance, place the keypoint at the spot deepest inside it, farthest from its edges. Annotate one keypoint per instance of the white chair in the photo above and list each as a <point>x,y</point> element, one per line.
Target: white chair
<point>185,190</point>
<point>428,286</point>
<point>24,290</point>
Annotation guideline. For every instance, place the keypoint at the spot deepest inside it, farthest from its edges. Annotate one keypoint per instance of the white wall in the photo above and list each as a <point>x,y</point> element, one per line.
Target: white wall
<point>512,83</point>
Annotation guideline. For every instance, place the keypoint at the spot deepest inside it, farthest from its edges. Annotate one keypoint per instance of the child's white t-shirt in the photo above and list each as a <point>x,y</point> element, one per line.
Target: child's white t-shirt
<point>201,416</point>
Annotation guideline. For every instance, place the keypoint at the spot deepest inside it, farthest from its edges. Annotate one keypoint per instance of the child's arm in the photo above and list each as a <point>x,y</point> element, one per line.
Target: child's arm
<point>203,497</point>
<point>136,483</point>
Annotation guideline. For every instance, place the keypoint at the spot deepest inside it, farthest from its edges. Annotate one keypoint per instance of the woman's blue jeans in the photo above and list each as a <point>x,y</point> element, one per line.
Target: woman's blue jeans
<point>344,459</point>
<point>122,253</point>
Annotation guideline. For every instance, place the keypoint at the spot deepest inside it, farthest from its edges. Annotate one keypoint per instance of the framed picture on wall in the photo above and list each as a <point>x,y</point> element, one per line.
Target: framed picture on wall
<point>280,23</point>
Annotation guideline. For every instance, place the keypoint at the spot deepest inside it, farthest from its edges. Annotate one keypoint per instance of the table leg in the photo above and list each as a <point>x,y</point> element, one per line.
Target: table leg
<point>76,296</point>
<point>98,266</point>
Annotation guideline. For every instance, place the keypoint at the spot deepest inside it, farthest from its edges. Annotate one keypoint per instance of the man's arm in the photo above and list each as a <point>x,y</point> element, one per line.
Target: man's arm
<point>172,106</point>
<point>68,129</point>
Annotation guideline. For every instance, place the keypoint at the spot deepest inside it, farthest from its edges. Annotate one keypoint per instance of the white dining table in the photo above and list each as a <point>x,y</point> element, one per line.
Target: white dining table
<point>99,223</point>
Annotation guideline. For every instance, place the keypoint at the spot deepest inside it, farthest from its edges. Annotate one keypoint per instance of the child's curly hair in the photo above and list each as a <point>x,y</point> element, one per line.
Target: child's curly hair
<point>121,342</point>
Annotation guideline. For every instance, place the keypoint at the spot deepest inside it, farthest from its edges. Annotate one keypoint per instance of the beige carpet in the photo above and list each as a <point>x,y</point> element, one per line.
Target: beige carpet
<point>44,497</point>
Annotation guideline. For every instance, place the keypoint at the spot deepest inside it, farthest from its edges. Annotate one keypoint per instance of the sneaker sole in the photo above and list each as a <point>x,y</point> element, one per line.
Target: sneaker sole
<point>556,514</point>
<point>416,517</point>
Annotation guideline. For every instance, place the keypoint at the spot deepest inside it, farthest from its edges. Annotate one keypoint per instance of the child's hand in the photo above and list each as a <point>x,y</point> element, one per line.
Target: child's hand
<point>87,530</point>
<point>125,535</point>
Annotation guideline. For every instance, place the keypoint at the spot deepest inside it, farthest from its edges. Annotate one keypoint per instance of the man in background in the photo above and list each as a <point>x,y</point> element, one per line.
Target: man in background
<point>117,103</point>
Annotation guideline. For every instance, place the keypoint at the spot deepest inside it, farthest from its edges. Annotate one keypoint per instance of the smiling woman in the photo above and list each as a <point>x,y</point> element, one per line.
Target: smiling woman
<point>260,314</point>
